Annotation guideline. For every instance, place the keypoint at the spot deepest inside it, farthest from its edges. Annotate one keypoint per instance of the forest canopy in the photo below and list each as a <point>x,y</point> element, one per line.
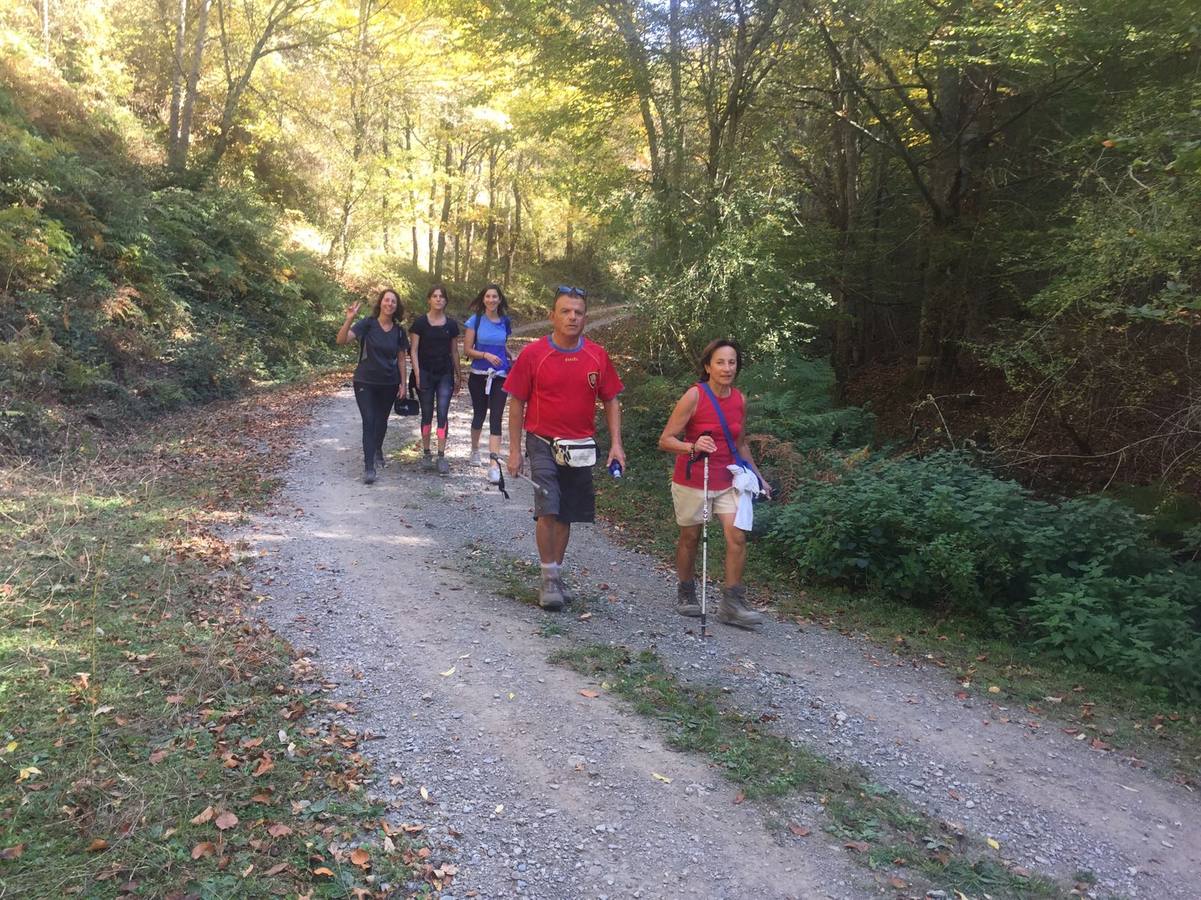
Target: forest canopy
<point>982,213</point>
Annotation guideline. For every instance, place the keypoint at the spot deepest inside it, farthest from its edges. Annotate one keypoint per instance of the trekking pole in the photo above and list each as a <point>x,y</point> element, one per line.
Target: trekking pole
<point>704,545</point>
<point>500,485</point>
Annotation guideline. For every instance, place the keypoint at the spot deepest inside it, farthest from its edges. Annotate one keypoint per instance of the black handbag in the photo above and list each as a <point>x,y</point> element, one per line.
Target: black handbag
<point>408,405</point>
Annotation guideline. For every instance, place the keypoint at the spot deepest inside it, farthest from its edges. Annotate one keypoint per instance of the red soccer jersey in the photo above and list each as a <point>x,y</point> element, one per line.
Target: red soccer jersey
<point>705,419</point>
<point>560,387</point>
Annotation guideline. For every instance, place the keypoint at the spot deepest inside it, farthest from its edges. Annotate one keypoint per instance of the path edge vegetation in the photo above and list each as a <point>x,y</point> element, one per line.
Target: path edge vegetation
<point>1112,713</point>
<point>156,737</point>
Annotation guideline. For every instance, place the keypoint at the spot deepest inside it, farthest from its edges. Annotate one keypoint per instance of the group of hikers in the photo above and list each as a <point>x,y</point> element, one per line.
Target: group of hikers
<point>552,388</point>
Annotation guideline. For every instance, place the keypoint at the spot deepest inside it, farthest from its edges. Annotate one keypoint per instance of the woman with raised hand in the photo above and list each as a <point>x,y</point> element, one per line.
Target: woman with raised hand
<point>486,344</point>
<point>379,377</point>
<point>435,338</point>
<point>695,430</point>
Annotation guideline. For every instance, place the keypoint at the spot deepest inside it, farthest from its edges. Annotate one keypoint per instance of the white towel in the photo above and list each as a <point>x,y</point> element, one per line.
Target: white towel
<point>746,483</point>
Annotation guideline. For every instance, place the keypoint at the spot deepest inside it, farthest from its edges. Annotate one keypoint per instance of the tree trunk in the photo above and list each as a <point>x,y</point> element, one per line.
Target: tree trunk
<point>515,230</point>
<point>429,230</point>
<point>448,167</point>
<point>412,193</point>
<point>177,78</point>
<point>490,233</point>
<point>385,210</point>
<point>44,13</point>
<point>180,161</point>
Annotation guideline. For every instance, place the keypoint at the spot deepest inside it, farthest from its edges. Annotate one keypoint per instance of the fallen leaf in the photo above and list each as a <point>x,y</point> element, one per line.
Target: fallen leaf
<point>322,870</point>
<point>798,830</point>
<point>205,816</point>
<point>279,830</point>
<point>898,883</point>
<point>277,868</point>
<point>448,672</point>
<point>417,829</point>
<point>175,699</point>
<point>658,777</point>
<point>226,820</point>
<point>584,617</point>
<point>993,689</point>
<point>204,848</point>
<point>12,852</point>
<point>360,857</point>
<point>97,845</point>
<point>591,695</point>
<point>425,795</point>
<point>28,772</point>
<point>266,764</point>
<point>740,797</point>
<point>857,846</point>
<point>157,757</point>
<point>992,842</point>
<point>262,797</point>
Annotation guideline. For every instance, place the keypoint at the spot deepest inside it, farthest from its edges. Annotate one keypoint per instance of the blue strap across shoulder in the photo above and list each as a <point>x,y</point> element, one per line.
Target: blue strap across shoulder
<point>725,428</point>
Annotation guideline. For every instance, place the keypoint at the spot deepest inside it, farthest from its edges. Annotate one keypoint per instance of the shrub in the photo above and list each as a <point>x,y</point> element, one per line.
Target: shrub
<point>1083,575</point>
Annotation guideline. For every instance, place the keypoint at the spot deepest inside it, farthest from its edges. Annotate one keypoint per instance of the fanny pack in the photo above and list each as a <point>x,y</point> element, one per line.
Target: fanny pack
<point>578,453</point>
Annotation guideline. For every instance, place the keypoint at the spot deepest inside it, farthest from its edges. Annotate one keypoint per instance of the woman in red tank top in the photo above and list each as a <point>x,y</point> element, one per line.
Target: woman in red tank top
<point>692,431</point>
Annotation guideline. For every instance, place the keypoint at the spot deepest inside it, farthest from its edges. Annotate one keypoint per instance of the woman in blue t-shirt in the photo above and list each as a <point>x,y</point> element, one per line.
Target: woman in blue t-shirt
<point>487,336</point>
<point>379,377</point>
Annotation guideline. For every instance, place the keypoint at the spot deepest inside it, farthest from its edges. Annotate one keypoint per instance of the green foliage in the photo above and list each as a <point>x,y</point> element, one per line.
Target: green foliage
<point>1083,575</point>
<point>124,294</point>
<point>790,398</point>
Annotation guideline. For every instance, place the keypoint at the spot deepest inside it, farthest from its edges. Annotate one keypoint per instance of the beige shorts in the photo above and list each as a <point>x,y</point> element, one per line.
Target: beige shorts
<point>690,503</point>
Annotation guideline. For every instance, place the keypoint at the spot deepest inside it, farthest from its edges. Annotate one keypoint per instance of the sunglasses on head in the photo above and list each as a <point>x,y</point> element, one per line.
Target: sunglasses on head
<point>571,291</point>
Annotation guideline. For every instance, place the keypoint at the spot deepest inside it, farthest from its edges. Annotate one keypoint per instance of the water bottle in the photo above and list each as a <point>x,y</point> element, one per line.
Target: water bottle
<point>615,468</point>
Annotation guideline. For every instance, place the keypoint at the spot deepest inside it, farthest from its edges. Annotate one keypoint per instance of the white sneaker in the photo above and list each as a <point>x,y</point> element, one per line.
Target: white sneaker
<point>475,457</point>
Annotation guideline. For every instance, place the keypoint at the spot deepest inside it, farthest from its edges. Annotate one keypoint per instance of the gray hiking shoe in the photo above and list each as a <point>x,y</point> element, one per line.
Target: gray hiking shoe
<point>427,462</point>
<point>686,604</point>
<point>443,465</point>
<point>733,609</point>
<point>369,476</point>
<point>568,596</point>
<point>550,595</point>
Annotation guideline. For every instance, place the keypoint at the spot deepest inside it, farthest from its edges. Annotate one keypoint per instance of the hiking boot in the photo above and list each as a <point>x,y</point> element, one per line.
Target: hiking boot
<point>443,465</point>
<point>369,476</point>
<point>380,461</point>
<point>550,594</point>
<point>475,458</point>
<point>427,462</point>
<point>733,609</point>
<point>568,597</point>
<point>686,604</point>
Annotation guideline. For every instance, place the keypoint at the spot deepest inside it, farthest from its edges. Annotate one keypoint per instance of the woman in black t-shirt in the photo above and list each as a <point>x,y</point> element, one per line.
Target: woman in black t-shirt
<point>435,356</point>
<point>379,377</point>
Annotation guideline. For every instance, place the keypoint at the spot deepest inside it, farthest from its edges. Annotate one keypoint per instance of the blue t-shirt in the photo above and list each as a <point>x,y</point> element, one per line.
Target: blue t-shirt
<point>490,337</point>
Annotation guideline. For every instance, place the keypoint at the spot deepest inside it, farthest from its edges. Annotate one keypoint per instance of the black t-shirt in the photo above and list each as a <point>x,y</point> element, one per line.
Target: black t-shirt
<point>433,350</point>
<point>379,350</point>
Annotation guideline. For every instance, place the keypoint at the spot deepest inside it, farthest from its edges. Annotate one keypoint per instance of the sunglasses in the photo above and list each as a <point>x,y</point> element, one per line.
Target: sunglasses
<point>571,291</point>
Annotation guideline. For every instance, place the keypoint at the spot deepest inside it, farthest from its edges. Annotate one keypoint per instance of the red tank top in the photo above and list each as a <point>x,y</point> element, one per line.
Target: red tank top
<point>705,419</point>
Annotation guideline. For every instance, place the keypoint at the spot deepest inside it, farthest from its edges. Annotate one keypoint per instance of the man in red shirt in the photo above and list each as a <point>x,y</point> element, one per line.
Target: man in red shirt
<point>553,388</point>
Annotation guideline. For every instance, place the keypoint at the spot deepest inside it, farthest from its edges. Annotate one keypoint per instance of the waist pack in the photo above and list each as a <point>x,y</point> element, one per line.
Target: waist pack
<point>578,453</point>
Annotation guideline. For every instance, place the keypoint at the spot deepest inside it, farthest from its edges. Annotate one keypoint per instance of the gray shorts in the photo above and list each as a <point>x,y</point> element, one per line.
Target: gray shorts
<point>569,494</point>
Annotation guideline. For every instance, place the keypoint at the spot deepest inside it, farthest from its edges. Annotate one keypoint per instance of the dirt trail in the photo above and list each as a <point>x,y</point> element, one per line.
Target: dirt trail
<point>539,791</point>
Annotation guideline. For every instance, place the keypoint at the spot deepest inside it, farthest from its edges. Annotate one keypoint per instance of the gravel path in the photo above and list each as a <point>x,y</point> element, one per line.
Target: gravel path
<point>536,790</point>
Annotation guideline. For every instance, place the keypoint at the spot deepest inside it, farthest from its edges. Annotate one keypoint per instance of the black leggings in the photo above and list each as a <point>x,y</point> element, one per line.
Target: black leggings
<point>491,404</point>
<point>375,405</point>
<point>442,386</point>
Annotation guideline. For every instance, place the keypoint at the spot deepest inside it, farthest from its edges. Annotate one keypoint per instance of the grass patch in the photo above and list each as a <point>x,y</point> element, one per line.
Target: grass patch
<point>154,738</point>
<point>1136,721</point>
<point>881,828</point>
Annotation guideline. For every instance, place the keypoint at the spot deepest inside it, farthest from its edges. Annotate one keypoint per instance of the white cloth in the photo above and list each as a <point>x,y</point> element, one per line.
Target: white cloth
<point>491,373</point>
<point>746,483</point>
